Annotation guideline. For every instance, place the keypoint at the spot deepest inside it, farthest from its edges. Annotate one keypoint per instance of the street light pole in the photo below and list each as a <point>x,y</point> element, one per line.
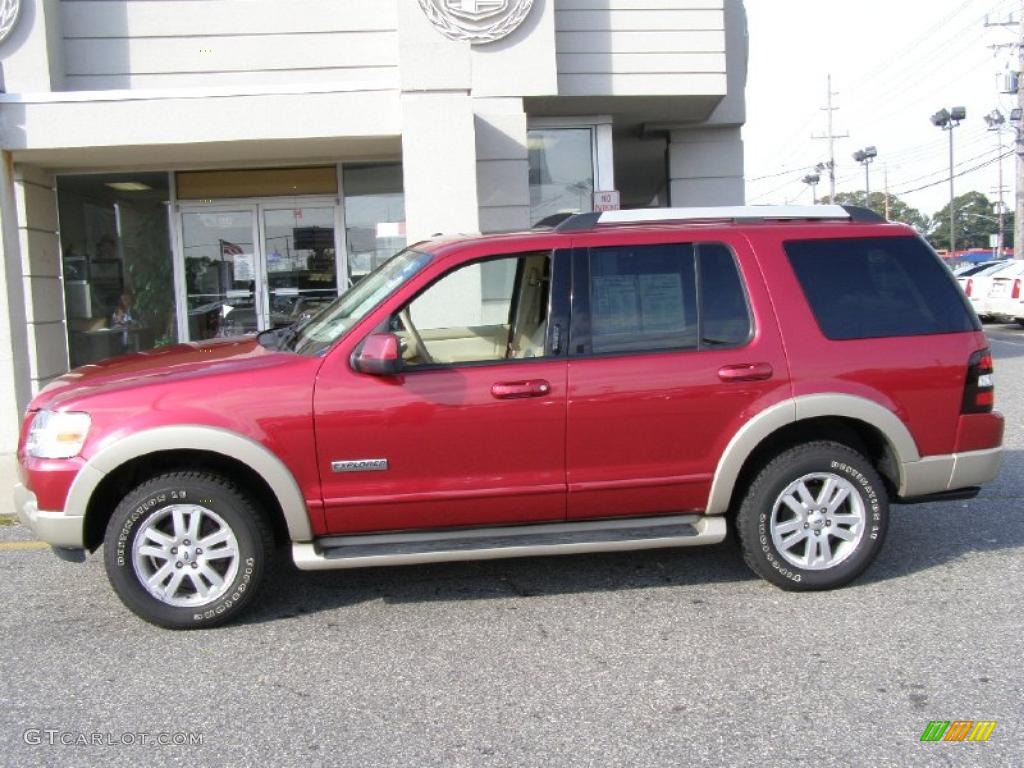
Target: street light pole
<point>812,180</point>
<point>864,157</point>
<point>947,120</point>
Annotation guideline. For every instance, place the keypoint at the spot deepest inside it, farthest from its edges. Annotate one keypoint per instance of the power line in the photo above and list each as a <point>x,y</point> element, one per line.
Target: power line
<point>946,170</point>
<point>771,175</point>
<point>942,43</point>
<point>958,175</point>
<point>926,44</point>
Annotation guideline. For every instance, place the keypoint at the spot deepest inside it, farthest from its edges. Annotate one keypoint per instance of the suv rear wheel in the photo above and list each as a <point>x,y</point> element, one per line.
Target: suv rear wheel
<point>814,517</point>
<point>187,550</point>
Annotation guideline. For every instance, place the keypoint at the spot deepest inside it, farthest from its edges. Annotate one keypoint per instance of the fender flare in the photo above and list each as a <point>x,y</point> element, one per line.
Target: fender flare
<point>196,437</point>
<point>801,408</point>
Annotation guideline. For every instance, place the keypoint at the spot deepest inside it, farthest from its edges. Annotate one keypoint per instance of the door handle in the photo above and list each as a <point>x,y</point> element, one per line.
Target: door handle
<point>746,372</point>
<point>510,390</point>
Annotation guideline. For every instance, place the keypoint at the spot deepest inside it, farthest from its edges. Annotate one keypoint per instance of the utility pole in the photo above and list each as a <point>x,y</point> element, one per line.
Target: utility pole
<point>1002,206</point>
<point>997,122</point>
<point>831,136</point>
<point>1018,219</point>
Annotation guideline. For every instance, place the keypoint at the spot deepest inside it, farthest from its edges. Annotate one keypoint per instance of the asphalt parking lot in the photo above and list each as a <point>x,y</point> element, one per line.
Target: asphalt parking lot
<point>648,658</point>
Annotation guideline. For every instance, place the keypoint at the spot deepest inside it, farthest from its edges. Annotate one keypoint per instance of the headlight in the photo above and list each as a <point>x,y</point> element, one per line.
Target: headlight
<point>57,434</point>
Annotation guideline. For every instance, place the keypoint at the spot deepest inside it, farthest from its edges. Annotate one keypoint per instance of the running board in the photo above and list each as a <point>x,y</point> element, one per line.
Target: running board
<point>368,551</point>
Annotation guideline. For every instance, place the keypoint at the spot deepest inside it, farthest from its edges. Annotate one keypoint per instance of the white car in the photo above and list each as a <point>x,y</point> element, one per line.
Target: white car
<point>977,286</point>
<point>968,269</point>
<point>1005,300</point>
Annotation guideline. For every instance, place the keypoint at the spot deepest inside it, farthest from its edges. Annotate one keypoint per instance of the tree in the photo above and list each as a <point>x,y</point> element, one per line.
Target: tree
<point>975,223</point>
<point>898,210</point>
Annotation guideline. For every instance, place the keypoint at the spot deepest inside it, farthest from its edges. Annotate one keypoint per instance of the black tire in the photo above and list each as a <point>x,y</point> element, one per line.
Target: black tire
<point>757,520</point>
<point>150,507</point>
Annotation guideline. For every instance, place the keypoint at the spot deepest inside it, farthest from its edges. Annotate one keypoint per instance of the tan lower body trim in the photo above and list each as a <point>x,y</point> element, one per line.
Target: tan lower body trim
<point>935,474</point>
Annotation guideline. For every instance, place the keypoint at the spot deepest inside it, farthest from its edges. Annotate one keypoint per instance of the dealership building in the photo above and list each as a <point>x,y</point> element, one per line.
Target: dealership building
<point>180,170</point>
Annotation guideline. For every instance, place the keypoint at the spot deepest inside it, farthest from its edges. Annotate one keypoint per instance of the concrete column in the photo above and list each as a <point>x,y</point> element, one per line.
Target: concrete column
<point>35,195</point>
<point>439,169</point>
<point>439,164</point>
<point>33,54</point>
<point>15,378</point>
<point>428,60</point>
<point>706,167</point>
<point>502,164</point>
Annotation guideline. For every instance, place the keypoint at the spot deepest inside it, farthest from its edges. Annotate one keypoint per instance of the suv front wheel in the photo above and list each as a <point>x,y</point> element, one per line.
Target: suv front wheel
<point>814,517</point>
<point>187,550</point>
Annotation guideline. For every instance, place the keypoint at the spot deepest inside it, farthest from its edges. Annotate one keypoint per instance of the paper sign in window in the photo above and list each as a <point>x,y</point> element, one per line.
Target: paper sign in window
<point>615,304</point>
<point>244,267</point>
<point>661,302</point>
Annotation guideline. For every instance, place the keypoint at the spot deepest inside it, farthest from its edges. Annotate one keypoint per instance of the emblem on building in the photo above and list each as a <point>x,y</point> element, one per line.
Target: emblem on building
<point>478,21</point>
<point>8,17</point>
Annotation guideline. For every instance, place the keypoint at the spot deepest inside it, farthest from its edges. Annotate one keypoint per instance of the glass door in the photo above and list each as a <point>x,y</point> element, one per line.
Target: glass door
<point>223,276</point>
<point>301,260</point>
<point>256,264</point>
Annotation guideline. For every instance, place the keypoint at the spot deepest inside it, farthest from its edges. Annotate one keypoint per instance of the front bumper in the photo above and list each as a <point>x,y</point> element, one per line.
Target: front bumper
<point>55,528</point>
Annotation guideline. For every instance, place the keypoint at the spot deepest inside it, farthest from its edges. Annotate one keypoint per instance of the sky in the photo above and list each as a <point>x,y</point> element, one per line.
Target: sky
<point>893,63</point>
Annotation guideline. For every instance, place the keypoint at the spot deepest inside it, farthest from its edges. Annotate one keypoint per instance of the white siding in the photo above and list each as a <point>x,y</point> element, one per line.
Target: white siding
<point>203,43</point>
<point>640,47</point>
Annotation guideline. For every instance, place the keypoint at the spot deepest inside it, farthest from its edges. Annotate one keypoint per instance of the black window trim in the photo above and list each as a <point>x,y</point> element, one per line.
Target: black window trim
<point>558,307</point>
<point>581,343</point>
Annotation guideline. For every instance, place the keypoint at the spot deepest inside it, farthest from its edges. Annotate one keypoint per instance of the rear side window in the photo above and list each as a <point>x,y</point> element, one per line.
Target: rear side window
<point>663,297</point>
<point>725,317</point>
<point>863,288</point>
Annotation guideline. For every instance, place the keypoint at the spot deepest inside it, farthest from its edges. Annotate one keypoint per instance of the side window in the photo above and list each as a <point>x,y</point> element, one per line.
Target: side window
<point>873,287</point>
<point>479,312</point>
<point>725,317</point>
<point>642,298</point>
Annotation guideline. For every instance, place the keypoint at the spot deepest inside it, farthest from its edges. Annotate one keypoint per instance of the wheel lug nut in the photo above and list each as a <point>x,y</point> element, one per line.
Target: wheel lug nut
<point>174,550</point>
<point>195,564</point>
<point>186,542</point>
<point>807,525</point>
<point>199,551</point>
<point>178,564</point>
<point>828,523</point>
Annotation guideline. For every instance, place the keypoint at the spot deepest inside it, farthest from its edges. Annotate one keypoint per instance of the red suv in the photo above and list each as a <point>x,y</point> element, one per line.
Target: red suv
<point>610,381</point>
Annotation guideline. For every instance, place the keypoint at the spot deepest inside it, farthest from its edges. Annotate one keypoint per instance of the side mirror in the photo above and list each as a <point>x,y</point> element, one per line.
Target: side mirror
<point>379,355</point>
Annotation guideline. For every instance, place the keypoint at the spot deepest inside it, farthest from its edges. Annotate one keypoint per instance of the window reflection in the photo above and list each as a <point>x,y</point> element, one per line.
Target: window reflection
<point>374,216</point>
<point>118,271</point>
<point>220,273</point>
<point>301,265</point>
<point>561,171</point>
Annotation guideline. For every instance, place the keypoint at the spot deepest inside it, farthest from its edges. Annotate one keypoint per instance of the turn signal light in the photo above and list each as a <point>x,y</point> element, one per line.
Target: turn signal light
<point>1015,293</point>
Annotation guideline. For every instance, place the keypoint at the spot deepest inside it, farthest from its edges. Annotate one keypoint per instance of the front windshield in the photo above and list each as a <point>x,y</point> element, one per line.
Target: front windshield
<point>328,325</point>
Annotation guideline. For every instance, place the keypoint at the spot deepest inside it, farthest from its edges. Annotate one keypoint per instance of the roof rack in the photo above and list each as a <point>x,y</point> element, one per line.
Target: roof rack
<point>735,213</point>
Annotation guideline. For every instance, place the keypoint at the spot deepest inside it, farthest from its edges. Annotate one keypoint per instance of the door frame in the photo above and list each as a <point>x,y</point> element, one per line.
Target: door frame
<point>602,148</point>
<point>257,206</point>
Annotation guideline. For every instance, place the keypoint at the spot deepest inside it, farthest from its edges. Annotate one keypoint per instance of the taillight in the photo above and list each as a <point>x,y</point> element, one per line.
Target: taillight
<point>970,286</point>
<point>979,389</point>
<point>1015,293</point>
